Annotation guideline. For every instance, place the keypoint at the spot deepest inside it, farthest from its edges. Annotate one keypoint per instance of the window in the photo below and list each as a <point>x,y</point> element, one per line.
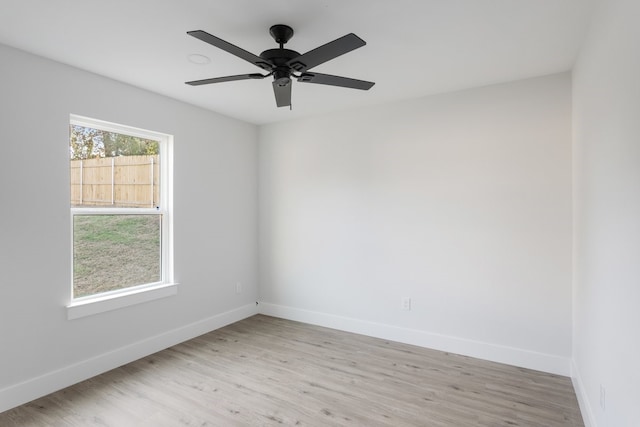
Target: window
<point>120,188</point>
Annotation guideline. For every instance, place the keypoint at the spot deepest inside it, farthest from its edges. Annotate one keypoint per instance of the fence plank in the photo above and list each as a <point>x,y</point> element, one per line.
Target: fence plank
<point>130,181</point>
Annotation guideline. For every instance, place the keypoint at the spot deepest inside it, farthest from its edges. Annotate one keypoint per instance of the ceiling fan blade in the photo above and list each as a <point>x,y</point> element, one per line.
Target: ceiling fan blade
<point>226,79</point>
<point>326,52</point>
<point>328,79</point>
<point>282,93</point>
<point>232,49</point>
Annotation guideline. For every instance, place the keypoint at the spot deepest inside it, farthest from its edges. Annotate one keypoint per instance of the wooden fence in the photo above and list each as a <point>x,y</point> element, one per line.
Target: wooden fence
<point>124,181</point>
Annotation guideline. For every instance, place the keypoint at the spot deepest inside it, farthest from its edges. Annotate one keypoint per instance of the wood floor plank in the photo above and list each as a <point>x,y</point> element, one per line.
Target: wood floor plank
<point>265,371</point>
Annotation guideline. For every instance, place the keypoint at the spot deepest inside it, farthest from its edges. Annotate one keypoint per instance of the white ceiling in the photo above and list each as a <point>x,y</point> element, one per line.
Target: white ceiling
<point>414,47</point>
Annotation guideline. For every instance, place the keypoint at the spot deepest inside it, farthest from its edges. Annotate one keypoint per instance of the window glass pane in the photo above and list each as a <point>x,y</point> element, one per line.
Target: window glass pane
<point>110,169</point>
<point>112,252</point>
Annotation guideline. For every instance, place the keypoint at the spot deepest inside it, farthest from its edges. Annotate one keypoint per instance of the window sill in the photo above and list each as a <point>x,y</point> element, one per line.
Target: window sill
<point>113,301</point>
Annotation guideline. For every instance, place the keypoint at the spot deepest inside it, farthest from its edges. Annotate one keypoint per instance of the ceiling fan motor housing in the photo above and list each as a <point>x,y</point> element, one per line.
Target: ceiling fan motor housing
<point>279,58</point>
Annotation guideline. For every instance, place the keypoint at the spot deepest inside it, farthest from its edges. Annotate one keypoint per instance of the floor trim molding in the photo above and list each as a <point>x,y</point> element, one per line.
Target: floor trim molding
<point>482,350</point>
<point>34,388</point>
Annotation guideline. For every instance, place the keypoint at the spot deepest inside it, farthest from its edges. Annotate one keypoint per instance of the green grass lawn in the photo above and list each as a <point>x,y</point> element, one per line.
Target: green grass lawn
<point>114,252</point>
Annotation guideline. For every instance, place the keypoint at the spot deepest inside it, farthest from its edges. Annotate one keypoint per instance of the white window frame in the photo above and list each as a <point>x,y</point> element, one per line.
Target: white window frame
<point>112,300</point>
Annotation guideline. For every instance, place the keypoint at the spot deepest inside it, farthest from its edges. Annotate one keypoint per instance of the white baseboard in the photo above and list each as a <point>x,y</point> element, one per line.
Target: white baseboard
<point>482,350</point>
<point>34,388</point>
<point>583,400</point>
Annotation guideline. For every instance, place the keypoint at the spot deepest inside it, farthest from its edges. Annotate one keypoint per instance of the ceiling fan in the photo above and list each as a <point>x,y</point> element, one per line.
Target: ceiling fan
<point>283,64</point>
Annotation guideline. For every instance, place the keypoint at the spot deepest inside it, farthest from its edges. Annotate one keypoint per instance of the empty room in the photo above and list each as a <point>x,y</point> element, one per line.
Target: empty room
<point>349,213</point>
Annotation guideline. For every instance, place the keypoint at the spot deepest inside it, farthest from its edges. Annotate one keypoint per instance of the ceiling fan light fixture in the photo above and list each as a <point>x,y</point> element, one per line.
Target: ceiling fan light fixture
<point>282,77</point>
<point>283,81</point>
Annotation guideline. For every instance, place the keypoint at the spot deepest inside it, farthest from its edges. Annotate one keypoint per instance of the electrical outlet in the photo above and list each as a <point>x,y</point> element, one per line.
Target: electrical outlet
<point>238,288</point>
<point>406,303</point>
<point>602,396</point>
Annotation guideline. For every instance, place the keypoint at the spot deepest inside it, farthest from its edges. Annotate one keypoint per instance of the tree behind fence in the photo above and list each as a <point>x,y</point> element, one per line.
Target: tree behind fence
<point>123,181</point>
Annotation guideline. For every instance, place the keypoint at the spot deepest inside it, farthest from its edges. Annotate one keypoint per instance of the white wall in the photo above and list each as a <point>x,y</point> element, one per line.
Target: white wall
<point>215,226</point>
<point>460,201</point>
<point>607,217</point>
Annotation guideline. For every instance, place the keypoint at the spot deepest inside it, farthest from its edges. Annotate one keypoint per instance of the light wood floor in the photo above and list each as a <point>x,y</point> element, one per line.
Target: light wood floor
<point>265,371</point>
